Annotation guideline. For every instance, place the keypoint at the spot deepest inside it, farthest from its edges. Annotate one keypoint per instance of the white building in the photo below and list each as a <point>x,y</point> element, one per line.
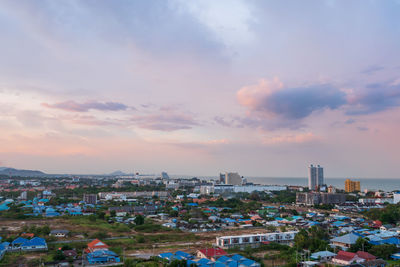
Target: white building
<point>254,239</point>
<point>222,189</point>
<point>396,197</point>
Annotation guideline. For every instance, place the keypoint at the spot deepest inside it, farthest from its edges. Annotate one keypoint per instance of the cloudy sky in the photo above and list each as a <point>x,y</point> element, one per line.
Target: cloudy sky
<point>263,88</point>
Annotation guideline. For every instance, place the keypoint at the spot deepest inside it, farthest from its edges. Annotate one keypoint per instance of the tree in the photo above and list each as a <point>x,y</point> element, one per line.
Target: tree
<point>92,218</point>
<point>101,215</point>
<point>113,213</point>
<point>383,251</point>
<point>139,220</point>
<point>58,256</point>
<point>361,244</point>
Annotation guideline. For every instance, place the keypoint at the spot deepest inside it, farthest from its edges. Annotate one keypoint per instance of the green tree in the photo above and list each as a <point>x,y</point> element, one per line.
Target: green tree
<point>361,244</point>
<point>383,251</point>
<point>139,220</point>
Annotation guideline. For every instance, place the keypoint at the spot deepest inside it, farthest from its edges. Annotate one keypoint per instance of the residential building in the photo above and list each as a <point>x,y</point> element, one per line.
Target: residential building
<point>221,178</point>
<point>210,253</point>
<point>24,195</point>
<point>352,186</point>
<point>228,189</point>
<point>331,189</point>
<point>345,241</point>
<point>396,197</point>
<point>96,245</point>
<point>59,233</point>
<point>317,198</point>
<point>90,199</point>
<point>346,258</point>
<point>233,178</point>
<point>323,255</point>
<point>102,256</point>
<point>254,240</point>
<point>34,244</point>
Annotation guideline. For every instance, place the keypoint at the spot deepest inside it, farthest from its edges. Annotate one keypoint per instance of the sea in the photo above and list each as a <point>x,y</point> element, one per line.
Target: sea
<point>372,184</point>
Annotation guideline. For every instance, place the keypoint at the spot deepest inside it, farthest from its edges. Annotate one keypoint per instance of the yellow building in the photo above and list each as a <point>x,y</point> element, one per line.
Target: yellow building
<point>352,186</point>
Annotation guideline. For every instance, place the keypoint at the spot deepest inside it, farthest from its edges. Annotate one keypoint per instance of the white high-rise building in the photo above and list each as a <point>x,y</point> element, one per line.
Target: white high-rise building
<point>315,177</point>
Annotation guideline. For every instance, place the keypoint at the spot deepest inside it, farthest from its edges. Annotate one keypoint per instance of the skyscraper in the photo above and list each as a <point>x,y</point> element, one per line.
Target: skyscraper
<point>315,177</point>
<point>312,177</point>
<point>320,176</point>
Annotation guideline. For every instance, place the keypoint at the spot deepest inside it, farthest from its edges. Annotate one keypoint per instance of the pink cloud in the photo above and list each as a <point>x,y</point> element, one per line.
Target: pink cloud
<point>252,96</point>
<point>165,120</point>
<point>291,139</point>
<point>86,106</point>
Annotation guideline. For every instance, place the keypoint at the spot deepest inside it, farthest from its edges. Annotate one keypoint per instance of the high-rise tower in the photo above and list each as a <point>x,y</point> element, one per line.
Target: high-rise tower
<point>315,177</point>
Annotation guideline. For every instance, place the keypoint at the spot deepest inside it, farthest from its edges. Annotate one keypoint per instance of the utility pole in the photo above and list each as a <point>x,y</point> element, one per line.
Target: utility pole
<point>83,253</point>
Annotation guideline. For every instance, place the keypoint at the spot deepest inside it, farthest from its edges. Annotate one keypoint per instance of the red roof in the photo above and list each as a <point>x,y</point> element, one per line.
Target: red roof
<point>28,235</point>
<point>366,256</point>
<point>378,223</point>
<point>345,256</point>
<point>211,252</point>
<point>97,244</point>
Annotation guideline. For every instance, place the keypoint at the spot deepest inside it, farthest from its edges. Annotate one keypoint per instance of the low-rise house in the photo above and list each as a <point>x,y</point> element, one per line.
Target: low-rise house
<point>386,227</point>
<point>59,233</point>
<point>145,210</point>
<point>323,255</point>
<point>211,253</point>
<point>96,245</point>
<point>33,244</point>
<point>3,249</point>
<point>346,258</point>
<point>255,240</point>
<point>70,253</point>
<point>374,263</point>
<point>345,241</point>
<point>102,256</point>
<point>179,255</point>
<point>98,253</point>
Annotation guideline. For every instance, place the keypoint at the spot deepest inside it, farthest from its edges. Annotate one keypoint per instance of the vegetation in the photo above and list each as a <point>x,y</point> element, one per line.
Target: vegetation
<point>313,239</point>
<point>389,214</point>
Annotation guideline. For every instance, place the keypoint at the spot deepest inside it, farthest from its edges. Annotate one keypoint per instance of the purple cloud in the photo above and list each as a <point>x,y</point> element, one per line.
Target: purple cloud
<point>85,107</point>
<point>372,69</point>
<point>165,122</point>
<point>270,101</point>
<point>374,98</point>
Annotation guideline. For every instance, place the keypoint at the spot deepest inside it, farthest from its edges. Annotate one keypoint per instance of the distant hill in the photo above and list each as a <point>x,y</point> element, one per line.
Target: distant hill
<point>22,173</point>
<point>117,173</point>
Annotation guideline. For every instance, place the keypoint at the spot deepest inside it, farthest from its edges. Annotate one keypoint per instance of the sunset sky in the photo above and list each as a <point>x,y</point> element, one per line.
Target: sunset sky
<point>263,88</point>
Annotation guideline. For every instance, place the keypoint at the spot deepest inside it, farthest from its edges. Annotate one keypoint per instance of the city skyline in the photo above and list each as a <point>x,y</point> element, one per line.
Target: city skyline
<point>262,89</point>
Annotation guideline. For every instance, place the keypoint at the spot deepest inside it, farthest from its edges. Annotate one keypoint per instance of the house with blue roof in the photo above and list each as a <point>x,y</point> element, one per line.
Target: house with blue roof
<point>102,256</point>
<point>248,263</point>
<point>166,256</point>
<point>184,255</point>
<point>23,244</point>
<point>16,244</point>
<point>35,244</point>
<point>3,248</point>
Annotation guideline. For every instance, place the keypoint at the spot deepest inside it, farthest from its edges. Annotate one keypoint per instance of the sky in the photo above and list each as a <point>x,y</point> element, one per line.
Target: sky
<point>263,88</point>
